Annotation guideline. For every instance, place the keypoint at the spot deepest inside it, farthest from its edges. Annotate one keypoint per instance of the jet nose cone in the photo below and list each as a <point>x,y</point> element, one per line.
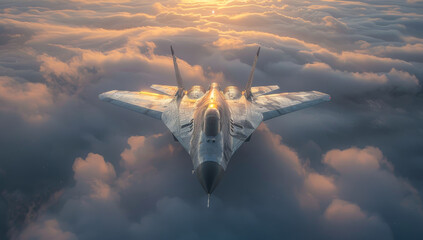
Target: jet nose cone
<point>209,173</point>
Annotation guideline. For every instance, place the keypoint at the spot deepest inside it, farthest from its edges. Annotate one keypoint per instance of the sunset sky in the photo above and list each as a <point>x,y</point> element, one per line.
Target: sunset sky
<point>73,167</point>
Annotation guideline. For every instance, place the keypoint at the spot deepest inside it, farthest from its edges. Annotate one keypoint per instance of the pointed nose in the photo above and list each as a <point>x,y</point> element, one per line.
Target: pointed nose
<point>209,173</point>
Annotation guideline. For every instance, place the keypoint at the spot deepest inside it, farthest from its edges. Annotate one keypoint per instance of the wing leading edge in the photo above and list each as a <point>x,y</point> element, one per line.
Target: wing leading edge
<point>261,90</point>
<point>166,89</point>
<point>274,105</point>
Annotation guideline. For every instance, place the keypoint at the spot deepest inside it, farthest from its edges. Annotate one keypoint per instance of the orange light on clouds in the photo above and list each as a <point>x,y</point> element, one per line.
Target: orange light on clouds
<point>202,1</point>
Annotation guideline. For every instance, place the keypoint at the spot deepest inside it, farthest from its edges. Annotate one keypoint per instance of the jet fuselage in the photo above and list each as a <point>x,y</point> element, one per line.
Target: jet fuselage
<point>210,143</point>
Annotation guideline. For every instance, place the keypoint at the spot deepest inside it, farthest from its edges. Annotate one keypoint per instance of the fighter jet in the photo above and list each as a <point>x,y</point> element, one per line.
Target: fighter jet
<point>212,124</point>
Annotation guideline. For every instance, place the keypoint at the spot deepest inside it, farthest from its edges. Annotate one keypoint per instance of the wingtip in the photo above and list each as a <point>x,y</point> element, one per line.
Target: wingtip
<point>258,51</point>
<point>106,95</point>
<point>171,49</point>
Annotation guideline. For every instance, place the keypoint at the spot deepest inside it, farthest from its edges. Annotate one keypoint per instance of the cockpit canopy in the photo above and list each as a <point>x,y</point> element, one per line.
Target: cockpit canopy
<point>211,122</point>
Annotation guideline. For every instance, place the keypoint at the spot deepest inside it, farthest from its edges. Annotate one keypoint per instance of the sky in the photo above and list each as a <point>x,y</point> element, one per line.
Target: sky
<point>73,167</point>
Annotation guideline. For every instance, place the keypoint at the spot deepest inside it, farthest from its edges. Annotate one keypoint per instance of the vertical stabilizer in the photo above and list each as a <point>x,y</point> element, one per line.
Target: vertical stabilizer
<point>250,79</point>
<point>177,73</point>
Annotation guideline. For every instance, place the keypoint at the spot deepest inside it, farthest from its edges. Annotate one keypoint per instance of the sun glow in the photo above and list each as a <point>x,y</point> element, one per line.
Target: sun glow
<point>201,1</point>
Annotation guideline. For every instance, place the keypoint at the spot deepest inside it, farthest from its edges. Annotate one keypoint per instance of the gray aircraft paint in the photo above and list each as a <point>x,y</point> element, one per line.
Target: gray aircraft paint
<point>240,112</point>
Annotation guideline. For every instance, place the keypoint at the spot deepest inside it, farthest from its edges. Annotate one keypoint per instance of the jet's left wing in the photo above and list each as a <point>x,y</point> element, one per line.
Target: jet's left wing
<point>150,104</point>
<point>275,105</point>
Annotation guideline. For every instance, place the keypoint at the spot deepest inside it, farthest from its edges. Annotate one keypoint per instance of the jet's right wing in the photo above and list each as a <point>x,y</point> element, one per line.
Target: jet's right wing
<point>150,104</point>
<point>274,105</point>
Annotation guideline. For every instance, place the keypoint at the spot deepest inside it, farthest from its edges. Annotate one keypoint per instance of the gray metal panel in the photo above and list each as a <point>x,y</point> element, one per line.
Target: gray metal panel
<point>150,104</point>
<point>275,105</point>
<point>261,90</point>
<point>179,118</point>
<point>244,121</point>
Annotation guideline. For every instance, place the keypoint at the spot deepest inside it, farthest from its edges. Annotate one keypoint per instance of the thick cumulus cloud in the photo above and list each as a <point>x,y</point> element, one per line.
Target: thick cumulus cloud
<point>149,197</point>
<point>72,167</point>
<point>31,100</point>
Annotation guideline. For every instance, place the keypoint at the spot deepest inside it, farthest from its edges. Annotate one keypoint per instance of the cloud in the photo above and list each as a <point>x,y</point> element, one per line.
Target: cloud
<point>145,149</point>
<point>93,169</point>
<point>368,179</point>
<point>88,66</point>
<point>228,43</point>
<point>345,216</point>
<point>100,197</point>
<point>335,24</point>
<point>320,185</point>
<point>31,100</point>
<point>354,160</point>
<point>48,229</point>
<point>407,52</point>
<point>339,211</point>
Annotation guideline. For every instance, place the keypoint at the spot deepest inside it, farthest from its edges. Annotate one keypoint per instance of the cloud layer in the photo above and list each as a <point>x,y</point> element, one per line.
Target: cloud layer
<point>146,198</point>
<point>73,167</point>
